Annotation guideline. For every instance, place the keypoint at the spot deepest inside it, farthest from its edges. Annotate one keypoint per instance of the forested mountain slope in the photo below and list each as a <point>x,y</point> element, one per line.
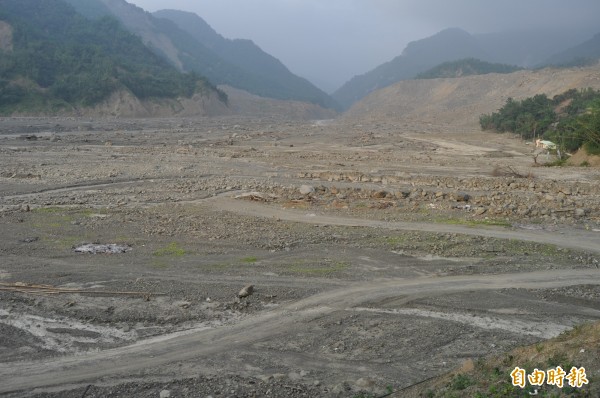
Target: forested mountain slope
<point>54,60</point>
<point>240,65</point>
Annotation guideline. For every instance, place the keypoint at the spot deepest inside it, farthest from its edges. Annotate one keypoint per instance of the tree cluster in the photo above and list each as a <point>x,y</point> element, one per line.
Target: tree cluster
<point>570,119</point>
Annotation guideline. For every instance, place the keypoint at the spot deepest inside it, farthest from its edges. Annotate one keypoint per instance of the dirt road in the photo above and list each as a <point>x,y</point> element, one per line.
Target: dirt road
<point>568,238</point>
<point>128,361</point>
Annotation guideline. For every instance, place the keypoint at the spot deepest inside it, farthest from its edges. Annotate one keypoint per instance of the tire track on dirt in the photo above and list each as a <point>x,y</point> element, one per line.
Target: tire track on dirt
<point>169,349</point>
<point>572,239</point>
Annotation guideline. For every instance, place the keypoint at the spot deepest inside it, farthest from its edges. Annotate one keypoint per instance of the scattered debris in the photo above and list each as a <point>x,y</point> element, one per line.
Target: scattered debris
<point>28,137</point>
<point>256,196</point>
<point>385,205</point>
<point>462,197</point>
<point>508,171</point>
<point>93,248</point>
<point>30,239</point>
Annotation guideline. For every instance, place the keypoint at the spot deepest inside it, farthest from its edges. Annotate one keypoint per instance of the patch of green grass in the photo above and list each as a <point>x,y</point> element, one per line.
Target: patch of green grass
<point>57,217</point>
<point>172,250</point>
<point>90,212</point>
<point>559,359</point>
<point>490,377</point>
<point>51,217</point>
<point>556,163</point>
<point>461,382</point>
<point>396,240</point>
<point>249,260</point>
<point>300,268</point>
<point>521,247</point>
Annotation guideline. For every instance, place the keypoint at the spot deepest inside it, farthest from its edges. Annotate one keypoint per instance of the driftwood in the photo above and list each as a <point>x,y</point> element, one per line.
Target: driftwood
<point>22,287</point>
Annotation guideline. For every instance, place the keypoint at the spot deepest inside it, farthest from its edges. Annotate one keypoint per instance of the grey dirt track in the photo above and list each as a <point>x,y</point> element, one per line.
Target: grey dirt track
<point>571,238</point>
<point>129,361</point>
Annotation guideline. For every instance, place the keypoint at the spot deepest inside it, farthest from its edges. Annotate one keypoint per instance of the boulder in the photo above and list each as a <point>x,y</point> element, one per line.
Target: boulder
<point>246,291</point>
<point>307,189</point>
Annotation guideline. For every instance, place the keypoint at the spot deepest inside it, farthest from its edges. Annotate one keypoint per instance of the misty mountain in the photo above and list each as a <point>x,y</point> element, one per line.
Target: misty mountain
<point>59,60</point>
<point>524,48</point>
<point>584,53</point>
<point>529,48</point>
<point>419,56</point>
<point>237,63</point>
<point>244,54</point>
<point>460,102</point>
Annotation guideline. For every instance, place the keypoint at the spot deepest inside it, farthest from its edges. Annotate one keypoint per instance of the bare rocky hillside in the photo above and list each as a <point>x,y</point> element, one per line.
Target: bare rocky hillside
<point>458,102</point>
<point>124,104</point>
<point>244,103</point>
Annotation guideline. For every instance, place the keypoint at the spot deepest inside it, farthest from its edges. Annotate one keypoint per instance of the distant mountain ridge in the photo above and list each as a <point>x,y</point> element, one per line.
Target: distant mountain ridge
<point>529,48</point>
<point>190,44</point>
<point>419,56</point>
<point>584,53</point>
<point>246,55</point>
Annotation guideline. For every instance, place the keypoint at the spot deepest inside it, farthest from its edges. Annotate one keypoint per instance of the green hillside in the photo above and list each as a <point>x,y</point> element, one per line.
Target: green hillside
<point>466,67</point>
<point>189,44</point>
<point>60,60</point>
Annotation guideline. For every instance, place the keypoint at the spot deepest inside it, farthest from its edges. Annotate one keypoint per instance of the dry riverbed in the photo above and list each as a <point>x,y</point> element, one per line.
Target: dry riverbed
<point>379,256</point>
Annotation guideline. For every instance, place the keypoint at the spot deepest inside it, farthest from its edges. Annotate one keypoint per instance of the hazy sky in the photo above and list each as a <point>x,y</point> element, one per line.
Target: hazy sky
<point>329,41</point>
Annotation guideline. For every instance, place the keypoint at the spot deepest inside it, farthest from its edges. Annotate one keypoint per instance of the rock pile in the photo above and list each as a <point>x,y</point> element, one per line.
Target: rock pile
<point>495,196</point>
